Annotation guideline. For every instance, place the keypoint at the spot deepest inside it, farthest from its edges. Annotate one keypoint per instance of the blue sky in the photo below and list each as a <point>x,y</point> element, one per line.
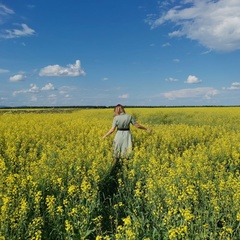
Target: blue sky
<point>105,52</point>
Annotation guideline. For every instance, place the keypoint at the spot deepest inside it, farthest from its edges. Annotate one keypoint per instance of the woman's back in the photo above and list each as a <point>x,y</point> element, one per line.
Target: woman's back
<point>123,121</point>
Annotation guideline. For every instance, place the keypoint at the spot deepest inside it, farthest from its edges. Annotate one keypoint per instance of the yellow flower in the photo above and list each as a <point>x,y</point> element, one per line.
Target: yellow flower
<point>72,189</point>
<point>68,227</point>
<point>59,209</point>
<point>238,216</point>
<point>50,201</point>
<point>184,172</point>
<point>127,220</point>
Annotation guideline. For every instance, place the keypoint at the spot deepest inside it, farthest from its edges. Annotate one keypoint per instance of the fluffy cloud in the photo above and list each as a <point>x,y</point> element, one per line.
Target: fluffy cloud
<point>35,89</point>
<point>48,87</point>
<point>17,78</point>
<point>192,79</point>
<point>213,23</point>
<point>72,70</point>
<point>204,92</point>
<point>234,86</point>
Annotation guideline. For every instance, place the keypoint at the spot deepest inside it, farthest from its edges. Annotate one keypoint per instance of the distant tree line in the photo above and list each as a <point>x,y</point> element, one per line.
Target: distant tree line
<point>102,107</point>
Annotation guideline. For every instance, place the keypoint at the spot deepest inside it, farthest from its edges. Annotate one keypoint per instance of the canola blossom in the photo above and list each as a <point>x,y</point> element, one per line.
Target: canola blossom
<point>182,181</point>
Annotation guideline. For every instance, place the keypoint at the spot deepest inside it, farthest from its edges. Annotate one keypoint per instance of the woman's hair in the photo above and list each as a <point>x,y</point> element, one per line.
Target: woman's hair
<point>118,110</point>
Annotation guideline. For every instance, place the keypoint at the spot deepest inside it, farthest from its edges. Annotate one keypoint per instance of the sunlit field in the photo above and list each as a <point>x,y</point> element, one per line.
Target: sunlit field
<point>58,180</point>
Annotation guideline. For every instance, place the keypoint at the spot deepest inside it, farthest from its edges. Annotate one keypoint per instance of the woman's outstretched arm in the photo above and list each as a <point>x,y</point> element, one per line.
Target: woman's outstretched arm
<point>139,126</point>
<point>109,132</point>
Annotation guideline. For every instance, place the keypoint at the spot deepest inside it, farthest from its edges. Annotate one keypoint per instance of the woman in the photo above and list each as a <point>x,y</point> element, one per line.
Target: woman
<point>122,143</point>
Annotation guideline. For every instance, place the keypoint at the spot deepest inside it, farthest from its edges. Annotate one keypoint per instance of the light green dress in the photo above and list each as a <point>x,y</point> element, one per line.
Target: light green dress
<point>122,143</point>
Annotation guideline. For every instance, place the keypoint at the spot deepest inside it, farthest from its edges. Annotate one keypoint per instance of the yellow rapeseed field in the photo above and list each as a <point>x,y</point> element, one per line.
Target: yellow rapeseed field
<point>58,181</point>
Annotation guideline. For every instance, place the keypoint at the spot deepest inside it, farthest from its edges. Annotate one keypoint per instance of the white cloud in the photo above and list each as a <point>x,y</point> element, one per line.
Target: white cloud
<point>4,12</point>
<point>170,79</point>
<point>34,88</point>
<point>67,88</point>
<point>3,98</point>
<point>48,87</point>
<point>52,96</point>
<point>213,23</point>
<point>17,78</point>
<point>192,79</point>
<point>20,91</point>
<point>25,31</point>
<point>4,70</point>
<point>166,44</point>
<point>123,96</point>
<point>204,92</point>
<point>176,34</point>
<point>234,86</point>
<point>72,70</point>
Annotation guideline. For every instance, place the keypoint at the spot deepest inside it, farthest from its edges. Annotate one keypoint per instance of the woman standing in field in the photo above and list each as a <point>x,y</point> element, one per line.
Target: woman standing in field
<point>122,143</point>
